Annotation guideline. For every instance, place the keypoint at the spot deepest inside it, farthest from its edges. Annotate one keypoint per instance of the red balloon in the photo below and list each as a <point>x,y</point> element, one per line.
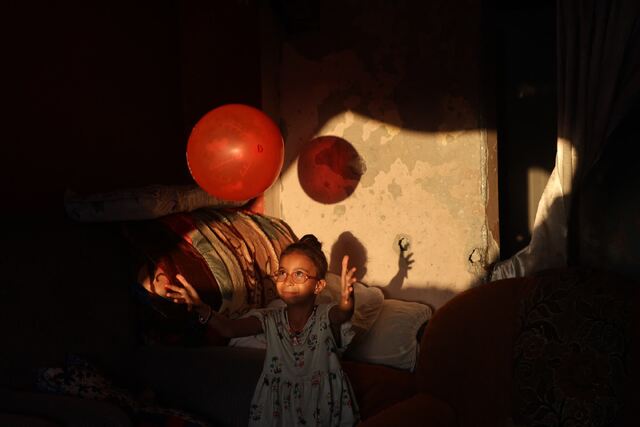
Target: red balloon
<point>235,152</point>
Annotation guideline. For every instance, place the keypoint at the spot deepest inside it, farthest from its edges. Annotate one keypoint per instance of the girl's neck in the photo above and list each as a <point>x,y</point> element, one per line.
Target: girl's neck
<point>299,314</point>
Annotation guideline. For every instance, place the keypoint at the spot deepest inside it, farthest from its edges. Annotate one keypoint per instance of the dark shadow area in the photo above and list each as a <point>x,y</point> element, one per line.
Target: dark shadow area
<point>329,169</point>
<point>402,62</point>
<point>404,265</point>
<point>101,97</point>
<point>526,109</point>
<point>348,244</point>
<point>609,225</point>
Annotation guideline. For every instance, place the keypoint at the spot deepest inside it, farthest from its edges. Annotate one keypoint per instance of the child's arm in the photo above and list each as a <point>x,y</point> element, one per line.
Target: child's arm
<point>226,327</point>
<point>344,310</point>
<point>235,328</point>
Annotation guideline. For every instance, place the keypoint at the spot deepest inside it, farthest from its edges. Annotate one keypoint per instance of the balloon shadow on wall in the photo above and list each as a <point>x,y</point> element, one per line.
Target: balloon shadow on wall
<point>329,169</point>
<point>348,244</point>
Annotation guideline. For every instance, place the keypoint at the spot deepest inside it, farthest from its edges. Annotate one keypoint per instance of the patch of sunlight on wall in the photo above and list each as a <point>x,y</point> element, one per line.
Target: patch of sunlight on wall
<point>429,185</point>
<point>536,182</point>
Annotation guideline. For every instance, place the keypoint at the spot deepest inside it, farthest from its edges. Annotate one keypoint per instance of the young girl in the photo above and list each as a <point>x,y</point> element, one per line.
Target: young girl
<point>302,382</point>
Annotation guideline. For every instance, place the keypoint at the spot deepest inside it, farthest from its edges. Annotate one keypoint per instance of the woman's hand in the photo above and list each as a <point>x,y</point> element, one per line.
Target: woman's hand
<point>347,279</point>
<point>185,294</point>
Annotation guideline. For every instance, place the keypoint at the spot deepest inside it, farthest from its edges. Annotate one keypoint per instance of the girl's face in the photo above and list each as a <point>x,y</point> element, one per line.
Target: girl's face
<point>297,265</point>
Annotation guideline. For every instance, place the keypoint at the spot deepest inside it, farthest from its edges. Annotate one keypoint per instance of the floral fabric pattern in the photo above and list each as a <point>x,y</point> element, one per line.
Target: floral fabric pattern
<point>571,357</point>
<point>81,379</point>
<point>302,383</point>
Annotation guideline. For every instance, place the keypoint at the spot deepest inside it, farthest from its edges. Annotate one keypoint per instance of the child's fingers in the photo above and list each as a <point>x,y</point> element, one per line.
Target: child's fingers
<point>175,296</point>
<point>174,292</point>
<point>184,282</point>
<point>346,296</point>
<point>349,277</point>
<point>173,287</point>
<point>187,285</point>
<point>345,264</point>
<point>179,299</point>
<point>347,291</point>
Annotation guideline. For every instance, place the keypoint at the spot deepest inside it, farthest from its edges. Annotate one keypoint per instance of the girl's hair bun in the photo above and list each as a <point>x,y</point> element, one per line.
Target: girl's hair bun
<point>311,241</point>
<point>310,246</point>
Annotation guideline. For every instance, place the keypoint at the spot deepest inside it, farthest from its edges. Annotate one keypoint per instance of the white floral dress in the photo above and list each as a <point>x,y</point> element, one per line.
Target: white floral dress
<point>302,382</point>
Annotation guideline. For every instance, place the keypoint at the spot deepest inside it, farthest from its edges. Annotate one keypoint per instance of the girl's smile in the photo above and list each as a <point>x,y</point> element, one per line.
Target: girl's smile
<point>293,268</point>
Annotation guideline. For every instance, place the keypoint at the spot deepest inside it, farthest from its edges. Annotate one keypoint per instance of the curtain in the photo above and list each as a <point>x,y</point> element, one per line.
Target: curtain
<point>598,80</point>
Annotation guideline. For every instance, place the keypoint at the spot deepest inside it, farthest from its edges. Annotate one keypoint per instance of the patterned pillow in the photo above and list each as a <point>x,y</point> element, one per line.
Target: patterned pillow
<point>242,249</point>
<point>79,378</point>
<point>228,256</point>
<point>571,356</point>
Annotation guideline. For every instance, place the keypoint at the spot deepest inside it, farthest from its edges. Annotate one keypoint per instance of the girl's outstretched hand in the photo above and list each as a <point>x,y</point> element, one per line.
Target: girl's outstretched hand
<point>184,295</point>
<point>347,280</point>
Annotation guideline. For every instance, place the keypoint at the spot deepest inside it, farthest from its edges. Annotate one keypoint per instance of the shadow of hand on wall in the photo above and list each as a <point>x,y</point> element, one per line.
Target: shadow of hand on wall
<point>434,296</point>
<point>348,244</point>
<point>405,262</point>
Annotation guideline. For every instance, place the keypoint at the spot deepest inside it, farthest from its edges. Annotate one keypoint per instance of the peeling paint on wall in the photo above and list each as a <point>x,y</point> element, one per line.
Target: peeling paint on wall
<point>394,189</point>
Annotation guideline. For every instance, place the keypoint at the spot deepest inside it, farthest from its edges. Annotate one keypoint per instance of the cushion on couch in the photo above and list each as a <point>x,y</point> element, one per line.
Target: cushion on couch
<point>392,340</point>
<point>228,257</point>
<point>240,249</point>
<point>156,248</point>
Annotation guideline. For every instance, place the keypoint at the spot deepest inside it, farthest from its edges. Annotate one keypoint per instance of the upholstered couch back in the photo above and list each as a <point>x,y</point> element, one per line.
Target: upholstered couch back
<point>465,353</point>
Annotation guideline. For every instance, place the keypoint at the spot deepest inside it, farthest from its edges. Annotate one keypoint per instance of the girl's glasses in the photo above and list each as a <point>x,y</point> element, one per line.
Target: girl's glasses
<point>298,276</point>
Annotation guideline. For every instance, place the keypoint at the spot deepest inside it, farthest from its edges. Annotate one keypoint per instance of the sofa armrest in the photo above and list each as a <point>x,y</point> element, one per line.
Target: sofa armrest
<point>420,410</point>
<point>377,387</point>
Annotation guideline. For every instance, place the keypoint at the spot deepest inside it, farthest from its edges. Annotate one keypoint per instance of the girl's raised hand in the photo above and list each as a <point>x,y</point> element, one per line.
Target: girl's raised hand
<point>347,280</point>
<point>183,295</point>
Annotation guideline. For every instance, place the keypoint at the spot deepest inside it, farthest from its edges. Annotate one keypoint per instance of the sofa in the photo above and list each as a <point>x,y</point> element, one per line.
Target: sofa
<point>559,348</point>
<point>77,350</point>
<point>68,313</point>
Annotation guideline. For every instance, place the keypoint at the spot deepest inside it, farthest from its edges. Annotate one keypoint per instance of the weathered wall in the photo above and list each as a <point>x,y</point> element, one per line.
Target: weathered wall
<point>401,84</point>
